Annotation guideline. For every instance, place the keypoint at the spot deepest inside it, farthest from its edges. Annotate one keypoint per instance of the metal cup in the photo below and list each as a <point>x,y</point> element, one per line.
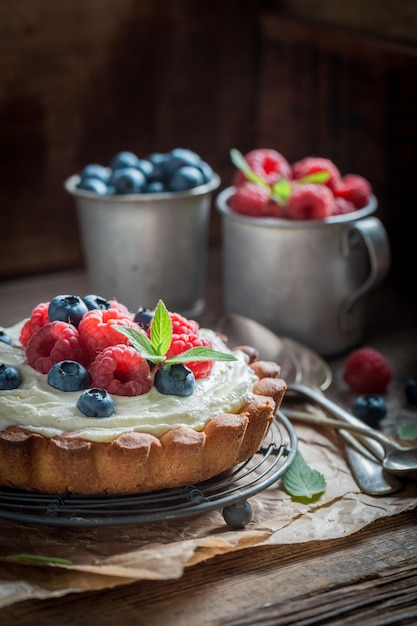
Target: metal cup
<point>306,280</point>
<point>140,248</point>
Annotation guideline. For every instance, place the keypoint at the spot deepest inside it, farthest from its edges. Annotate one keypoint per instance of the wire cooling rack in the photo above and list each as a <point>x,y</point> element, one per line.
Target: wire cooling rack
<point>229,492</point>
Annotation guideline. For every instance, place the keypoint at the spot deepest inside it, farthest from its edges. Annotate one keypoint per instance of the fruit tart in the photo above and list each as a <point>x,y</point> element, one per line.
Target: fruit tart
<point>95,399</point>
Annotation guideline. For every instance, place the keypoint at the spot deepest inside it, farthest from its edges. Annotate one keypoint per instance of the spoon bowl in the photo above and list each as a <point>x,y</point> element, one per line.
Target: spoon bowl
<point>394,458</point>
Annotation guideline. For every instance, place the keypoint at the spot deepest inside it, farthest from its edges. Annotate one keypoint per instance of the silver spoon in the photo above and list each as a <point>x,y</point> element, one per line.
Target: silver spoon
<point>241,330</point>
<point>394,458</point>
<point>365,467</point>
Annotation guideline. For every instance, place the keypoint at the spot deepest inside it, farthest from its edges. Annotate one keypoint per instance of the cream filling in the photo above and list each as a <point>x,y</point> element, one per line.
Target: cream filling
<point>40,408</point>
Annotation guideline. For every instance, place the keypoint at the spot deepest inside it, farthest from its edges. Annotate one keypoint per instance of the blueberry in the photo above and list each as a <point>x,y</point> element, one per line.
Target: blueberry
<point>411,390</point>
<point>67,309</point>
<point>155,186</point>
<point>185,177</point>
<point>159,161</point>
<point>10,377</point>
<point>5,337</point>
<point>96,403</point>
<point>238,515</point>
<point>146,168</point>
<point>68,376</point>
<point>207,171</point>
<point>96,302</point>
<point>144,317</point>
<point>128,180</point>
<point>94,185</point>
<point>370,408</point>
<point>179,157</point>
<point>174,380</point>
<point>124,159</point>
<point>96,171</point>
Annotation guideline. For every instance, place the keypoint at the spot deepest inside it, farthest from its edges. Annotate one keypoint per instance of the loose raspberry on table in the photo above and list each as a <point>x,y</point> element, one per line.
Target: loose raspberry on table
<point>355,189</point>
<point>251,199</point>
<point>54,342</point>
<point>367,371</point>
<point>269,164</point>
<point>312,165</point>
<point>97,329</point>
<point>310,202</point>
<point>181,343</point>
<point>39,317</point>
<point>121,371</point>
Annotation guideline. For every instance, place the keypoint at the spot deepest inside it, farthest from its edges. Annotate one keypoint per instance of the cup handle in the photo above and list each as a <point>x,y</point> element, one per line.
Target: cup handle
<point>375,238</point>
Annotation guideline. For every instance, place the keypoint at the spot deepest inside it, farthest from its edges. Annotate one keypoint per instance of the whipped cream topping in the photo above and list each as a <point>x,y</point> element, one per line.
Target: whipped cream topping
<point>38,407</point>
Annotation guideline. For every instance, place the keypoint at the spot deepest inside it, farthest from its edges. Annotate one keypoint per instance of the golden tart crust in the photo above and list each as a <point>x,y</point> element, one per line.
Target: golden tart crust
<point>139,462</point>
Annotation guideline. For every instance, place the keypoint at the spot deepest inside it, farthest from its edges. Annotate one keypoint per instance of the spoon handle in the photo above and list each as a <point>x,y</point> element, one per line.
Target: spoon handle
<point>379,442</point>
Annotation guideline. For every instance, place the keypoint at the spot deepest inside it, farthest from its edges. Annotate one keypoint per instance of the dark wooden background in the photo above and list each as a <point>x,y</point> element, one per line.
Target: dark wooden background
<point>83,79</point>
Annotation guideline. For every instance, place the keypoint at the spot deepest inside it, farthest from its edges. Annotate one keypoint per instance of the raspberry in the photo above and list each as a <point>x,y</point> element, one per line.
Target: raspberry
<point>181,325</point>
<point>54,342</point>
<point>38,318</point>
<point>367,371</point>
<point>355,189</point>
<point>181,343</point>
<point>342,206</point>
<point>97,329</point>
<point>270,165</point>
<point>250,199</point>
<point>121,307</point>
<point>312,165</point>
<point>121,371</point>
<point>310,202</point>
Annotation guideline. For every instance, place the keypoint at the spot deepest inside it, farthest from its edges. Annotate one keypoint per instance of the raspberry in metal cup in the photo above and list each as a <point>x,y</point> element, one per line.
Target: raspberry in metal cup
<point>305,279</point>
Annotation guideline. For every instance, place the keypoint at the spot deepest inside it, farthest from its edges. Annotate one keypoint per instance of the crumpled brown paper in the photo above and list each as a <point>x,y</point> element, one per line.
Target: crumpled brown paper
<point>107,557</point>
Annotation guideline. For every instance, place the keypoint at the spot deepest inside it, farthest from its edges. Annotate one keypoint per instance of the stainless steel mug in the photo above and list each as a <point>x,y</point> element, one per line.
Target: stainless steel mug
<point>306,280</point>
<point>144,247</point>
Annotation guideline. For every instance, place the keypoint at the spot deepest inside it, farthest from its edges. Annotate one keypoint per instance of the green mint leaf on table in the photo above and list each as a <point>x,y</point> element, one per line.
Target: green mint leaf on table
<point>241,164</point>
<point>302,482</point>
<point>408,430</point>
<point>33,558</point>
<point>155,348</point>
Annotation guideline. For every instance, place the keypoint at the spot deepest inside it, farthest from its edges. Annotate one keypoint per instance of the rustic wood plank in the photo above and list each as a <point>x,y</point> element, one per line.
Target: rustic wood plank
<point>370,572</point>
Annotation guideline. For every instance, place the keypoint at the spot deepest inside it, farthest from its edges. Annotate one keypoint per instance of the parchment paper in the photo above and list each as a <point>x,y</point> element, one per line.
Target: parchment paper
<point>107,557</point>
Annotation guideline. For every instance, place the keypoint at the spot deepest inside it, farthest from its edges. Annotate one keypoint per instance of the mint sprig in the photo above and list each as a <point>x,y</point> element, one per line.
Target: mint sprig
<point>155,348</point>
<point>302,482</point>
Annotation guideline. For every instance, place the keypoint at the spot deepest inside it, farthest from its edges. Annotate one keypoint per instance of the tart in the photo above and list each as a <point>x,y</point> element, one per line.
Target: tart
<point>152,440</point>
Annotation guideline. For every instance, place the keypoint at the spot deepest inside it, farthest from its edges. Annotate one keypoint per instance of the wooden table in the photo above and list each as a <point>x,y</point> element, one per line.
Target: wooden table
<point>367,578</point>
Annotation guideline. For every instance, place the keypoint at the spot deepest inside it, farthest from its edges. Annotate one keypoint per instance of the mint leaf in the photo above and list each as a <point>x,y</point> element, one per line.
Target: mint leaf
<point>408,430</point>
<point>161,329</point>
<point>302,482</point>
<point>39,559</point>
<point>316,177</point>
<point>200,354</point>
<point>281,191</point>
<point>155,349</point>
<point>240,162</point>
<point>141,343</point>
